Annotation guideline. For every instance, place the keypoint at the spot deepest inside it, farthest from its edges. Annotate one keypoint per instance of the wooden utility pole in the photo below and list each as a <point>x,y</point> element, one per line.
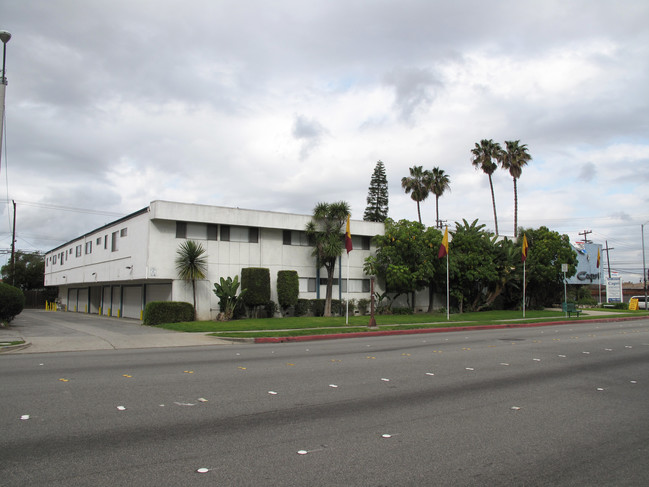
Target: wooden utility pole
<point>13,248</point>
<point>608,260</point>
<point>585,233</point>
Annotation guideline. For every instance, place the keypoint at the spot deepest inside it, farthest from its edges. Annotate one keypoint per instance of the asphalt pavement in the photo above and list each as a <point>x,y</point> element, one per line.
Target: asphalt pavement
<point>58,331</point>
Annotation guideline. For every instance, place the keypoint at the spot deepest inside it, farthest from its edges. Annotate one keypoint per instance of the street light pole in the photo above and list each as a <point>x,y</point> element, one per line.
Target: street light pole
<point>4,37</point>
<point>644,268</point>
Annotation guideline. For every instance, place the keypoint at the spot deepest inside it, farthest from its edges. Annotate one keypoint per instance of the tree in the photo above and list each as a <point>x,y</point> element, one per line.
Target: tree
<point>226,291</point>
<point>325,233</point>
<point>191,264</point>
<point>513,158</point>
<point>472,267</point>
<point>406,258</point>
<point>485,157</point>
<point>26,273</point>
<point>417,185</point>
<point>439,183</point>
<point>377,196</point>
<point>548,250</point>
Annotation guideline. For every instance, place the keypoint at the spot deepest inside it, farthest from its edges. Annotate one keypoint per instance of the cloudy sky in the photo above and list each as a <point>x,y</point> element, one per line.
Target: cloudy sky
<point>279,105</point>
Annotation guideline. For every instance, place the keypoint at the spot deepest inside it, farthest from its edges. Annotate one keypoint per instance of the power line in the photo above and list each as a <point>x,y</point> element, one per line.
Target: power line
<point>67,208</point>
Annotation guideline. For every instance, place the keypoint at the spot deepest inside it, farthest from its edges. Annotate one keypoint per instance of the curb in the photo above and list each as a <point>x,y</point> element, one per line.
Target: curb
<point>13,348</point>
<point>419,331</point>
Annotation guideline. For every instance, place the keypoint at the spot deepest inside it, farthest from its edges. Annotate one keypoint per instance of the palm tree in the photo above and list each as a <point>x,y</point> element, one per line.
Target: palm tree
<point>325,233</point>
<point>191,264</point>
<point>439,182</point>
<point>417,184</point>
<point>513,159</point>
<point>484,155</point>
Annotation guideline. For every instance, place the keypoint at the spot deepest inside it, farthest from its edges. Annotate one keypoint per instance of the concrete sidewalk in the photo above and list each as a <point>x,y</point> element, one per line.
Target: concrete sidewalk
<point>58,331</point>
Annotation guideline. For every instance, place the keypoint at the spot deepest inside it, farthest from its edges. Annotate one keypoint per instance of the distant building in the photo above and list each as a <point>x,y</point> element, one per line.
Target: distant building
<point>115,270</point>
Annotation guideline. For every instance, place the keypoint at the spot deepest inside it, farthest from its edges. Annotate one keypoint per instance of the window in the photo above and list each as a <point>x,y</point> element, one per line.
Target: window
<point>356,286</point>
<point>307,284</point>
<point>295,237</point>
<point>77,252</point>
<point>181,229</point>
<point>88,247</point>
<point>54,259</point>
<point>114,242</point>
<point>212,232</point>
<point>105,241</point>
<point>123,232</point>
<point>239,234</point>
<point>98,241</point>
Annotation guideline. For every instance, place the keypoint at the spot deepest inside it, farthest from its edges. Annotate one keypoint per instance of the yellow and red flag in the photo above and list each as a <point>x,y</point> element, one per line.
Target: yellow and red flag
<point>348,237</point>
<point>443,249</point>
<point>525,247</point>
<point>598,257</point>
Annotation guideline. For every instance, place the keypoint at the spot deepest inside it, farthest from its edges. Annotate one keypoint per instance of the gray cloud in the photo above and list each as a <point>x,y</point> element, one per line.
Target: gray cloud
<point>414,89</point>
<point>309,132</point>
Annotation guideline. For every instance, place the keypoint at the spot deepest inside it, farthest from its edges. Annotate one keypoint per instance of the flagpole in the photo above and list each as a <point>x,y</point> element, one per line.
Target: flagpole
<point>347,294</point>
<point>448,302</point>
<point>523,289</point>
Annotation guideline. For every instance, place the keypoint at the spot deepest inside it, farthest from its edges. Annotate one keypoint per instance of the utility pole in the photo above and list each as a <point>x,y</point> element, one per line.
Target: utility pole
<point>13,248</point>
<point>585,233</point>
<point>608,260</point>
<point>4,37</point>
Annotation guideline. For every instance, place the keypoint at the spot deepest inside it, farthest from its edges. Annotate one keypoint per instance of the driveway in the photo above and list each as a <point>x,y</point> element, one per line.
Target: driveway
<point>60,331</point>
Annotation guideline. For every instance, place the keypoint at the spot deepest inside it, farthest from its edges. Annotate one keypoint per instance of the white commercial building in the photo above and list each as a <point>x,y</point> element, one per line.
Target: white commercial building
<point>117,269</point>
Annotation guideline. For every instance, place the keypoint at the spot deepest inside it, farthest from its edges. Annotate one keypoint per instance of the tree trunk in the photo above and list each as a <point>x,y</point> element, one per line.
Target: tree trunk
<point>515,209</point>
<point>493,201</point>
<point>419,212</point>
<point>437,222</point>
<point>330,282</point>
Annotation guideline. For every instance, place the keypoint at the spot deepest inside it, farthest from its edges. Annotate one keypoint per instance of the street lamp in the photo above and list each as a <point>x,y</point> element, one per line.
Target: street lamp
<point>644,267</point>
<point>4,37</point>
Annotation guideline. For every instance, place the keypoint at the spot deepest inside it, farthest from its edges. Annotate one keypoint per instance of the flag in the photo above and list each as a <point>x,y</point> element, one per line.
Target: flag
<point>443,249</point>
<point>598,257</point>
<point>525,247</point>
<point>348,237</point>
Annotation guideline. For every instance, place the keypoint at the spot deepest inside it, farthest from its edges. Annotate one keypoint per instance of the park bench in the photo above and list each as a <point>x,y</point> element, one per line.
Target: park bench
<point>570,308</point>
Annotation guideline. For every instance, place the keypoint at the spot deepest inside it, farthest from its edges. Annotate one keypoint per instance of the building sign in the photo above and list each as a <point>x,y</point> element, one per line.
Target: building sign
<point>587,270</point>
<point>613,290</point>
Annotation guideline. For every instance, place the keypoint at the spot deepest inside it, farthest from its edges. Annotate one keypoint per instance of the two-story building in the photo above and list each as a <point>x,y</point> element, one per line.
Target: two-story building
<point>115,270</point>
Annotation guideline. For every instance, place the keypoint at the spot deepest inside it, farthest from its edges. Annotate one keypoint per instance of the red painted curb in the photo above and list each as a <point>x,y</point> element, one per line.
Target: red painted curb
<point>334,336</point>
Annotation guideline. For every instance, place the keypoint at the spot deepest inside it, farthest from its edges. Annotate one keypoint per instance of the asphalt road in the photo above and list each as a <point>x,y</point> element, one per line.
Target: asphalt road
<point>555,405</point>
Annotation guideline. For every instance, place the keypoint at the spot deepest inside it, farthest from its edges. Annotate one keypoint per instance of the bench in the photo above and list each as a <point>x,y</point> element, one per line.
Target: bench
<point>570,308</point>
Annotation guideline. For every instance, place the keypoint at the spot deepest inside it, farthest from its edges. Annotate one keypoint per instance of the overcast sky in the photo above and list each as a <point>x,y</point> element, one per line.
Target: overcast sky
<point>279,105</point>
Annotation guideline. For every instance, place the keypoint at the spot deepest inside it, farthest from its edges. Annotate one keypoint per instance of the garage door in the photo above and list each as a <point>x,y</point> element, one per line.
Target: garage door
<point>132,306</point>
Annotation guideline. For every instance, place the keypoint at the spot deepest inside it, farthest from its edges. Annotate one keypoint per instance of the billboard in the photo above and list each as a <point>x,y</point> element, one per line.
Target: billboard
<point>587,270</point>
<point>613,290</point>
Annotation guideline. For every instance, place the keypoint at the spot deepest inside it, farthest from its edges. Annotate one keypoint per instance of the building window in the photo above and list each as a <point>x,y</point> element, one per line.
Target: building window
<point>181,229</point>
<point>356,286</point>
<point>78,251</point>
<point>307,284</point>
<point>98,241</point>
<point>105,242</point>
<point>113,242</point>
<point>239,234</point>
<point>212,231</point>
<point>295,237</point>
<point>88,247</point>
<point>123,232</point>
<point>54,259</point>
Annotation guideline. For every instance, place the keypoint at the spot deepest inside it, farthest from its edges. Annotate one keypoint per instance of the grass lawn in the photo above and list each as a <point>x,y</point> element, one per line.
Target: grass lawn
<point>309,325</point>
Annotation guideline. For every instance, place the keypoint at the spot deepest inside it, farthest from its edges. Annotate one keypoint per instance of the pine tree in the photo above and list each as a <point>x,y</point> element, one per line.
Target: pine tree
<point>377,196</point>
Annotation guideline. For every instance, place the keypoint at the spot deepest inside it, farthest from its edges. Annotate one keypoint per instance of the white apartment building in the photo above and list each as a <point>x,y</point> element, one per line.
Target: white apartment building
<point>115,270</point>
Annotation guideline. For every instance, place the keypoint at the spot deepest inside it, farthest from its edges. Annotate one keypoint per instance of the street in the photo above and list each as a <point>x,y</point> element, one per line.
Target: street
<point>554,406</point>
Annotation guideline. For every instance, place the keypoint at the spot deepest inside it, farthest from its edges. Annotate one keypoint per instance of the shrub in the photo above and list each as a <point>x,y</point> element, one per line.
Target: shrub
<point>288,289</point>
<point>12,302</point>
<point>256,282</point>
<point>318,306</point>
<point>302,307</point>
<point>363,305</point>
<point>157,312</point>
<point>402,311</point>
<point>271,309</point>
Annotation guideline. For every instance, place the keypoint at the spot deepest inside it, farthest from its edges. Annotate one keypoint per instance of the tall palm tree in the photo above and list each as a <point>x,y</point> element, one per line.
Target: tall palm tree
<point>439,183</point>
<point>191,264</point>
<point>513,159</point>
<point>418,184</point>
<point>325,233</point>
<point>485,157</point>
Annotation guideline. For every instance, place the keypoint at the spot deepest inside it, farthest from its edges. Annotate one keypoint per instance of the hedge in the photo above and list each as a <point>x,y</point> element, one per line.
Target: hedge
<point>12,302</point>
<point>256,282</point>
<point>157,312</point>
<point>288,288</point>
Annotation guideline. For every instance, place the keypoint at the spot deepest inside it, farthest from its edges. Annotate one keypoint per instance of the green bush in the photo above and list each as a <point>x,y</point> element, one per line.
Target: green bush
<point>402,311</point>
<point>256,282</point>
<point>318,306</point>
<point>363,305</point>
<point>271,309</point>
<point>12,302</point>
<point>302,307</point>
<point>288,288</point>
<point>157,312</point>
